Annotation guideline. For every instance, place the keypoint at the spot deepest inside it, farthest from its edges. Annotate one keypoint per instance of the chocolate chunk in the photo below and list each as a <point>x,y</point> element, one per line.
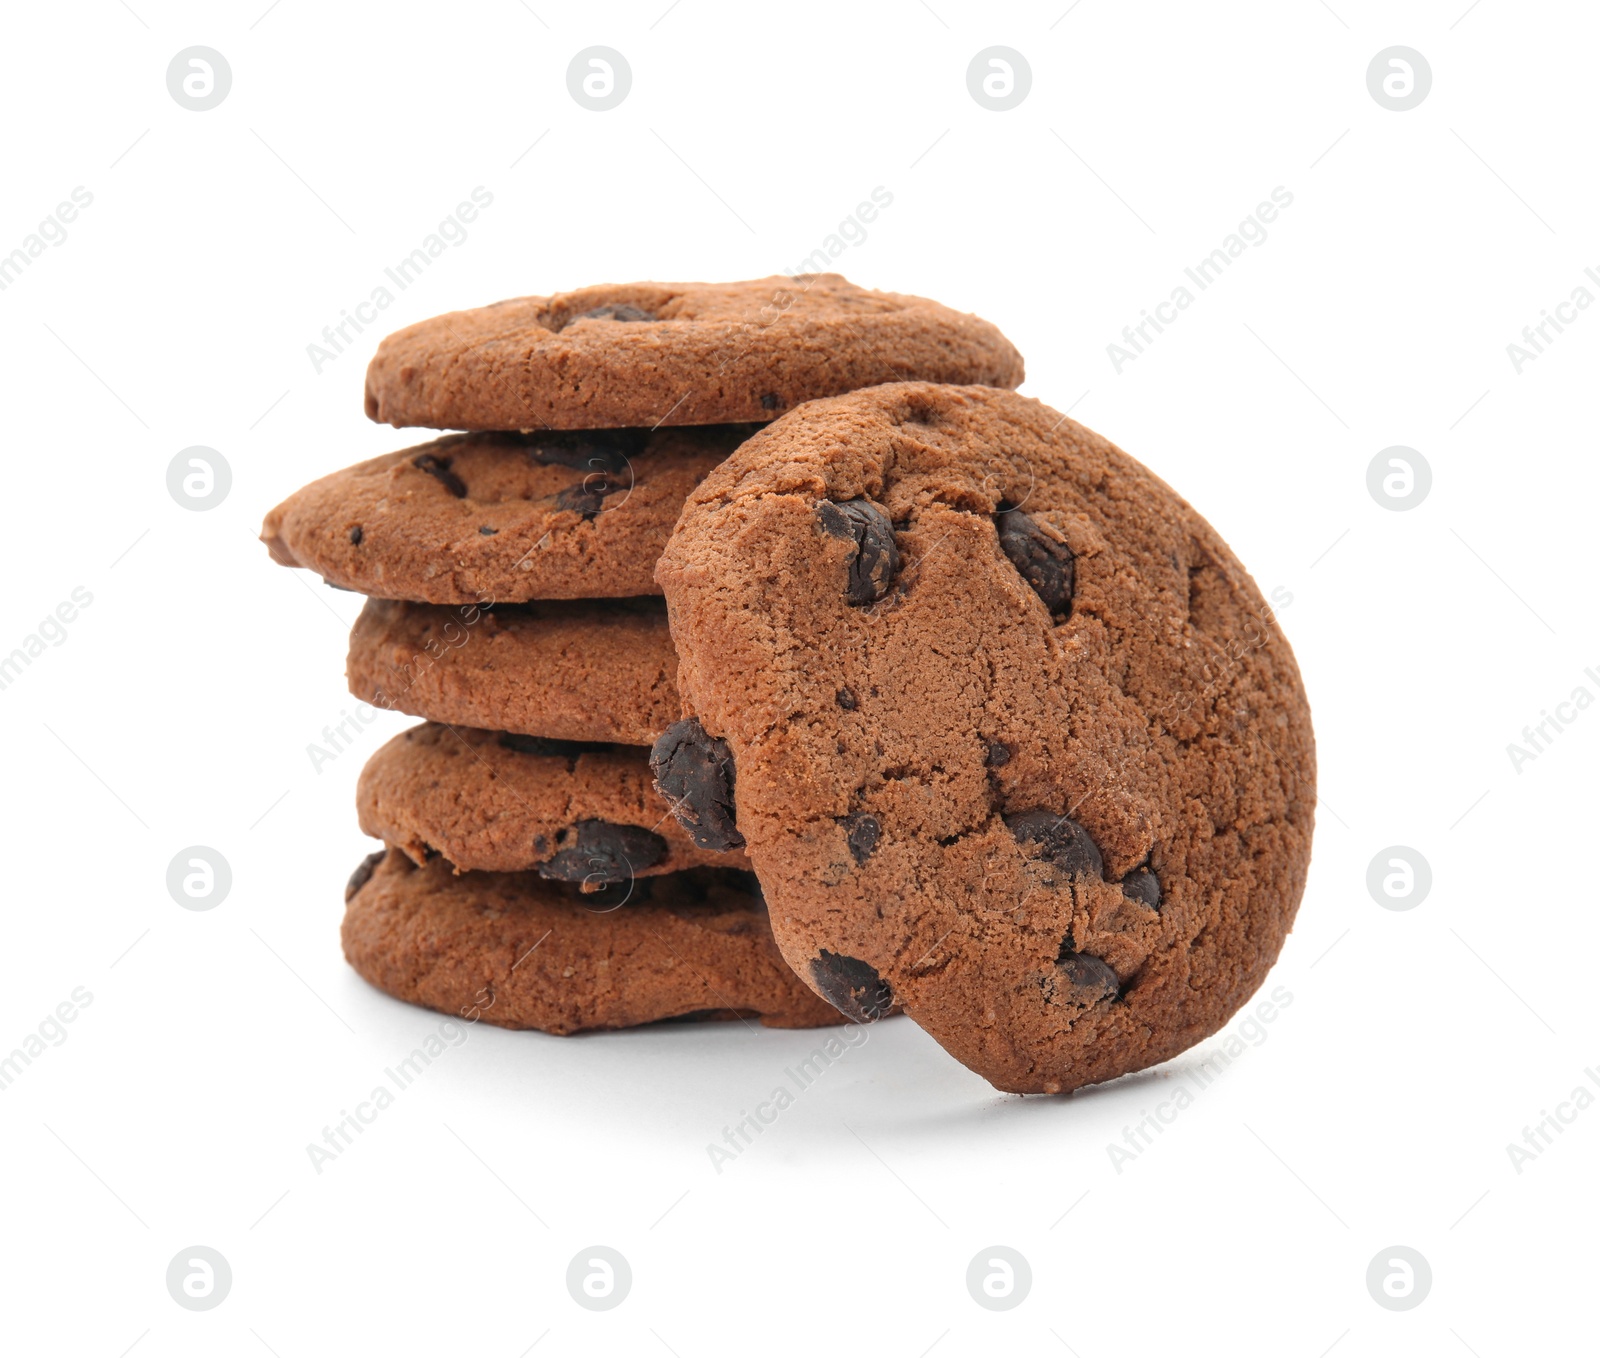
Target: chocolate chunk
<point>1043,562</point>
<point>846,698</point>
<point>861,834</point>
<point>996,753</point>
<point>588,496</point>
<point>355,536</point>
<point>363,874</point>
<point>770,401</point>
<point>1090,978</point>
<point>605,852</point>
<point>569,749</point>
<point>1065,842</point>
<point>694,771</point>
<point>608,451</point>
<point>618,311</point>
<point>851,987</point>
<point>1141,885</point>
<point>486,531</point>
<point>439,469</point>
<point>876,559</point>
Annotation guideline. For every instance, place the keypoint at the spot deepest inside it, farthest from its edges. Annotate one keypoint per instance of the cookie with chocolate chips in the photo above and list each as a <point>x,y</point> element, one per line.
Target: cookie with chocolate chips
<point>599,669</point>
<point>497,802</point>
<point>501,517</point>
<point>1012,739</point>
<point>657,354</point>
<point>521,951</point>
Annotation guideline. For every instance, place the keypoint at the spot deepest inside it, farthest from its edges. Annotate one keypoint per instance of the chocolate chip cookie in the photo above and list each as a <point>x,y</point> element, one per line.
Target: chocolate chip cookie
<point>497,802</point>
<point>596,670</point>
<point>655,354</point>
<point>520,951</point>
<point>1010,736</point>
<point>485,518</point>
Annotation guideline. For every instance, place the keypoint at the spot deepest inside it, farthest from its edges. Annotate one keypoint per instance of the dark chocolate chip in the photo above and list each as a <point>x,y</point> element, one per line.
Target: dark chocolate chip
<point>1065,842</point>
<point>1091,978</point>
<point>363,874</point>
<point>609,451</point>
<point>1141,885</point>
<point>996,753</point>
<point>1043,562</point>
<point>770,401</point>
<point>851,987</point>
<point>604,852</point>
<point>618,311</point>
<point>588,496</point>
<point>861,834</point>
<point>355,536</point>
<point>846,698</point>
<point>694,771</point>
<point>569,749</point>
<point>876,558</point>
<point>439,469</point>
<point>486,531</point>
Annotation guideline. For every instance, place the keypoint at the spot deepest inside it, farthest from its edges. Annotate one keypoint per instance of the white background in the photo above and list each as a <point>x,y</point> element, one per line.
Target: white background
<point>178,709</point>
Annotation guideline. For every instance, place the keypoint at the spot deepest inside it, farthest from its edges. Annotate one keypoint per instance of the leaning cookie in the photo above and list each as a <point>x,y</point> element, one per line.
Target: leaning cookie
<point>656,354</point>
<point>477,518</point>
<point>495,802</point>
<point>519,951</point>
<point>1013,738</point>
<point>595,670</point>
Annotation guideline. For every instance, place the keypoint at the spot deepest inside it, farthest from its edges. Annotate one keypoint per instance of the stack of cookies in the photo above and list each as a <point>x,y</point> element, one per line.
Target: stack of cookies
<point>533,874</point>
<point>777,659</point>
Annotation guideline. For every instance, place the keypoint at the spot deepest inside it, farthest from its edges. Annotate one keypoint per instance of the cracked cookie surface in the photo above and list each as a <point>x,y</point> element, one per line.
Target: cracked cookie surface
<point>518,951</point>
<point>501,518</point>
<point>659,354</point>
<point>1042,775</point>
